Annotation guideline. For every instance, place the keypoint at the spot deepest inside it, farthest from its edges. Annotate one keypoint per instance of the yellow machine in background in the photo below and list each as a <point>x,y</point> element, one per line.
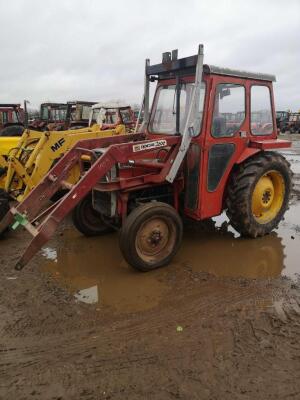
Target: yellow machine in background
<point>30,157</point>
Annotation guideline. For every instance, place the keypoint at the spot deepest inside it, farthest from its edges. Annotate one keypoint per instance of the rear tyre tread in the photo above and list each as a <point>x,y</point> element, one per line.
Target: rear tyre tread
<point>83,225</point>
<point>239,192</point>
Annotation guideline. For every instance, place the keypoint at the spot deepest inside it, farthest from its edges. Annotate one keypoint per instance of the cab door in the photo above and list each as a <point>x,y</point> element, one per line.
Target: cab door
<point>226,137</point>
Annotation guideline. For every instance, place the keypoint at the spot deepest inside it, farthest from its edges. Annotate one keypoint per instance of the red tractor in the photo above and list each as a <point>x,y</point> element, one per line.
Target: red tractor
<point>187,161</point>
<point>293,124</point>
<point>52,117</point>
<point>78,114</point>
<point>11,119</point>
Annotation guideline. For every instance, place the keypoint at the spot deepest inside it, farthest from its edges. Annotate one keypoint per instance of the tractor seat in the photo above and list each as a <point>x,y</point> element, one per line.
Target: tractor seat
<point>219,126</point>
<point>99,151</point>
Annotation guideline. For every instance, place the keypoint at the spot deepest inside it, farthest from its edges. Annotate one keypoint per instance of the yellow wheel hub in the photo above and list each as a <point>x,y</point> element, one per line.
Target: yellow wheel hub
<point>268,196</point>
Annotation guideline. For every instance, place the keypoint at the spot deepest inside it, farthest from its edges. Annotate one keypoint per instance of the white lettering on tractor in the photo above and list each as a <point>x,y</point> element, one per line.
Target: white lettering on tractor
<point>149,145</point>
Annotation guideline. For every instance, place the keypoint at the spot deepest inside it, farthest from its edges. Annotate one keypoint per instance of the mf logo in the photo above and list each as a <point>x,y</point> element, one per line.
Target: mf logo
<point>58,144</point>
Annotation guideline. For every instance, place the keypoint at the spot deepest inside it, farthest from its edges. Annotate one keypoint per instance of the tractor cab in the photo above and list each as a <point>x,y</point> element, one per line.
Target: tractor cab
<point>11,114</point>
<point>109,116</point>
<point>282,119</point>
<point>293,124</point>
<point>222,119</point>
<point>78,114</point>
<point>11,119</point>
<point>52,117</point>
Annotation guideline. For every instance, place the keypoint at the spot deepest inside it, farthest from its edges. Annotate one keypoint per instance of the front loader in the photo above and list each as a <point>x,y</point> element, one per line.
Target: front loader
<point>187,161</point>
<point>24,161</point>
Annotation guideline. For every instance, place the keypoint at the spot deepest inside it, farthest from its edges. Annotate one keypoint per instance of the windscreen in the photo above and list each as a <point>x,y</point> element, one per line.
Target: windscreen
<point>44,113</point>
<point>111,116</point>
<point>58,114</point>
<point>163,115</point>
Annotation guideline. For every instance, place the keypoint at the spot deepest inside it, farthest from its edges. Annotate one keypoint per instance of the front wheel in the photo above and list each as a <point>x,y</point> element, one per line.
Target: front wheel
<point>259,193</point>
<point>151,236</point>
<point>87,220</point>
<point>12,131</point>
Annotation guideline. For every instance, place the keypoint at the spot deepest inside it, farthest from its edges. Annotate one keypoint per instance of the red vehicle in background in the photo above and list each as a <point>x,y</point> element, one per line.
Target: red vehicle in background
<point>52,117</point>
<point>11,119</point>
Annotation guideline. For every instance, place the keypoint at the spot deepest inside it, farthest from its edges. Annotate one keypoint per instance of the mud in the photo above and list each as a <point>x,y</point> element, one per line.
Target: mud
<point>221,322</point>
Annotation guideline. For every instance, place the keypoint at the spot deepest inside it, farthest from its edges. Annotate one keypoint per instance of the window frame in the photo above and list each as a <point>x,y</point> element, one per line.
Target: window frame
<point>272,110</point>
<point>126,110</point>
<point>213,104</point>
<point>169,82</point>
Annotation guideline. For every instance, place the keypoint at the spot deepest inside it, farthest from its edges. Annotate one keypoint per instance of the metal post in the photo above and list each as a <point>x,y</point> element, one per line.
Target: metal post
<point>177,105</point>
<point>189,131</point>
<point>26,119</point>
<point>139,114</point>
<point>146,98</point>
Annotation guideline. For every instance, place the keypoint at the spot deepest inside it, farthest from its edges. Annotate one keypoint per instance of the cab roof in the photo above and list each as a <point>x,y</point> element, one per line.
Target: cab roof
<point>187,65</point>
<point>11,105</point>
<point>110,105</point>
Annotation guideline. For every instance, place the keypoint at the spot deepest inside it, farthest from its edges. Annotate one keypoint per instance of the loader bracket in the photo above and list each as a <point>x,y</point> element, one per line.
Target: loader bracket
<point>20,219</point>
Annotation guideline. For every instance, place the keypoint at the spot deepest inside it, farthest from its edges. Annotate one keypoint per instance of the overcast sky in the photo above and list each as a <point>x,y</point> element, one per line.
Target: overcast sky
<point>63,50</point>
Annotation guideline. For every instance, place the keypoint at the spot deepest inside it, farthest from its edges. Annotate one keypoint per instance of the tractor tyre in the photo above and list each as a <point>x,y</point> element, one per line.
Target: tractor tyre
<point>151,236</point>
<point>4,208</point>
<point>12,131</point>
<point>258,194</point>
<point>87,220</point>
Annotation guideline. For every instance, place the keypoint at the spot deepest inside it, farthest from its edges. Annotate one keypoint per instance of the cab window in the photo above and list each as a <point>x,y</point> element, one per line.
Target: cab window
<point>44,113</point>
<point>5,117</point>
<point>261,110</point>
<point>163,116</point>
<point>126,116</point>
<point>229,109</point>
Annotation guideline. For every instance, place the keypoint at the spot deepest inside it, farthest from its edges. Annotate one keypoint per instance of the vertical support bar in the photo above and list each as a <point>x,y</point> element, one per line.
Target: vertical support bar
<point>177,105</point>
<point>191,121</point>
<point>139,114</point>
<point>146,98</point>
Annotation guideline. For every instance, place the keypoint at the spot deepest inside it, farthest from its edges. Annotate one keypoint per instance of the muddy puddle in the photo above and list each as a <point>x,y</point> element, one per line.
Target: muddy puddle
<point>94,271</point>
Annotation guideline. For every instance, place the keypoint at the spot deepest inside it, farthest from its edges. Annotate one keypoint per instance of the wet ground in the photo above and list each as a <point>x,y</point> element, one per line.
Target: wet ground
<point>221,322</point>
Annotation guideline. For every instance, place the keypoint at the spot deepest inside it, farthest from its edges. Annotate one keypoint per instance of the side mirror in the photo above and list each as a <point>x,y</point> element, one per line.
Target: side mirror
<point>224,92</point>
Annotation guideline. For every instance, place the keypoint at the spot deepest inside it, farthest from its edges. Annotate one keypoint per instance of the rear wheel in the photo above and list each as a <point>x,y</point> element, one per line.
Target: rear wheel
<point>87,220</point>
<point>4,207</point>
<point>151,236</point>
<point>258,194</point>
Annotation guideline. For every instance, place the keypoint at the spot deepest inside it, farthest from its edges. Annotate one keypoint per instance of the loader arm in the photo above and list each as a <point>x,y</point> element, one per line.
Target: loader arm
<point>116,149</point>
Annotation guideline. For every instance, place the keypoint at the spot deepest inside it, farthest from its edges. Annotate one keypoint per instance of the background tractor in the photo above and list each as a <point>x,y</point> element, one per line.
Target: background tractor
<point>11,119</point>
<point>293,124</point>
<point>78,114</point>
<point>52,117</point>
<point>187,161</point>
<point>282,118</point>
<point>112,115</point>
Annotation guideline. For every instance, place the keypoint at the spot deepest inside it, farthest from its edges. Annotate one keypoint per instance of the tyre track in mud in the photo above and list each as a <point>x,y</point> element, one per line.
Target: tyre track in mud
<point>91,352</point>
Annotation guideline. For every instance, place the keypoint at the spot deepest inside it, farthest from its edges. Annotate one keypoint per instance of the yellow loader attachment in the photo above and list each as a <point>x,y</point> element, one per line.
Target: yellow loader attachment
<point>25,160</point>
